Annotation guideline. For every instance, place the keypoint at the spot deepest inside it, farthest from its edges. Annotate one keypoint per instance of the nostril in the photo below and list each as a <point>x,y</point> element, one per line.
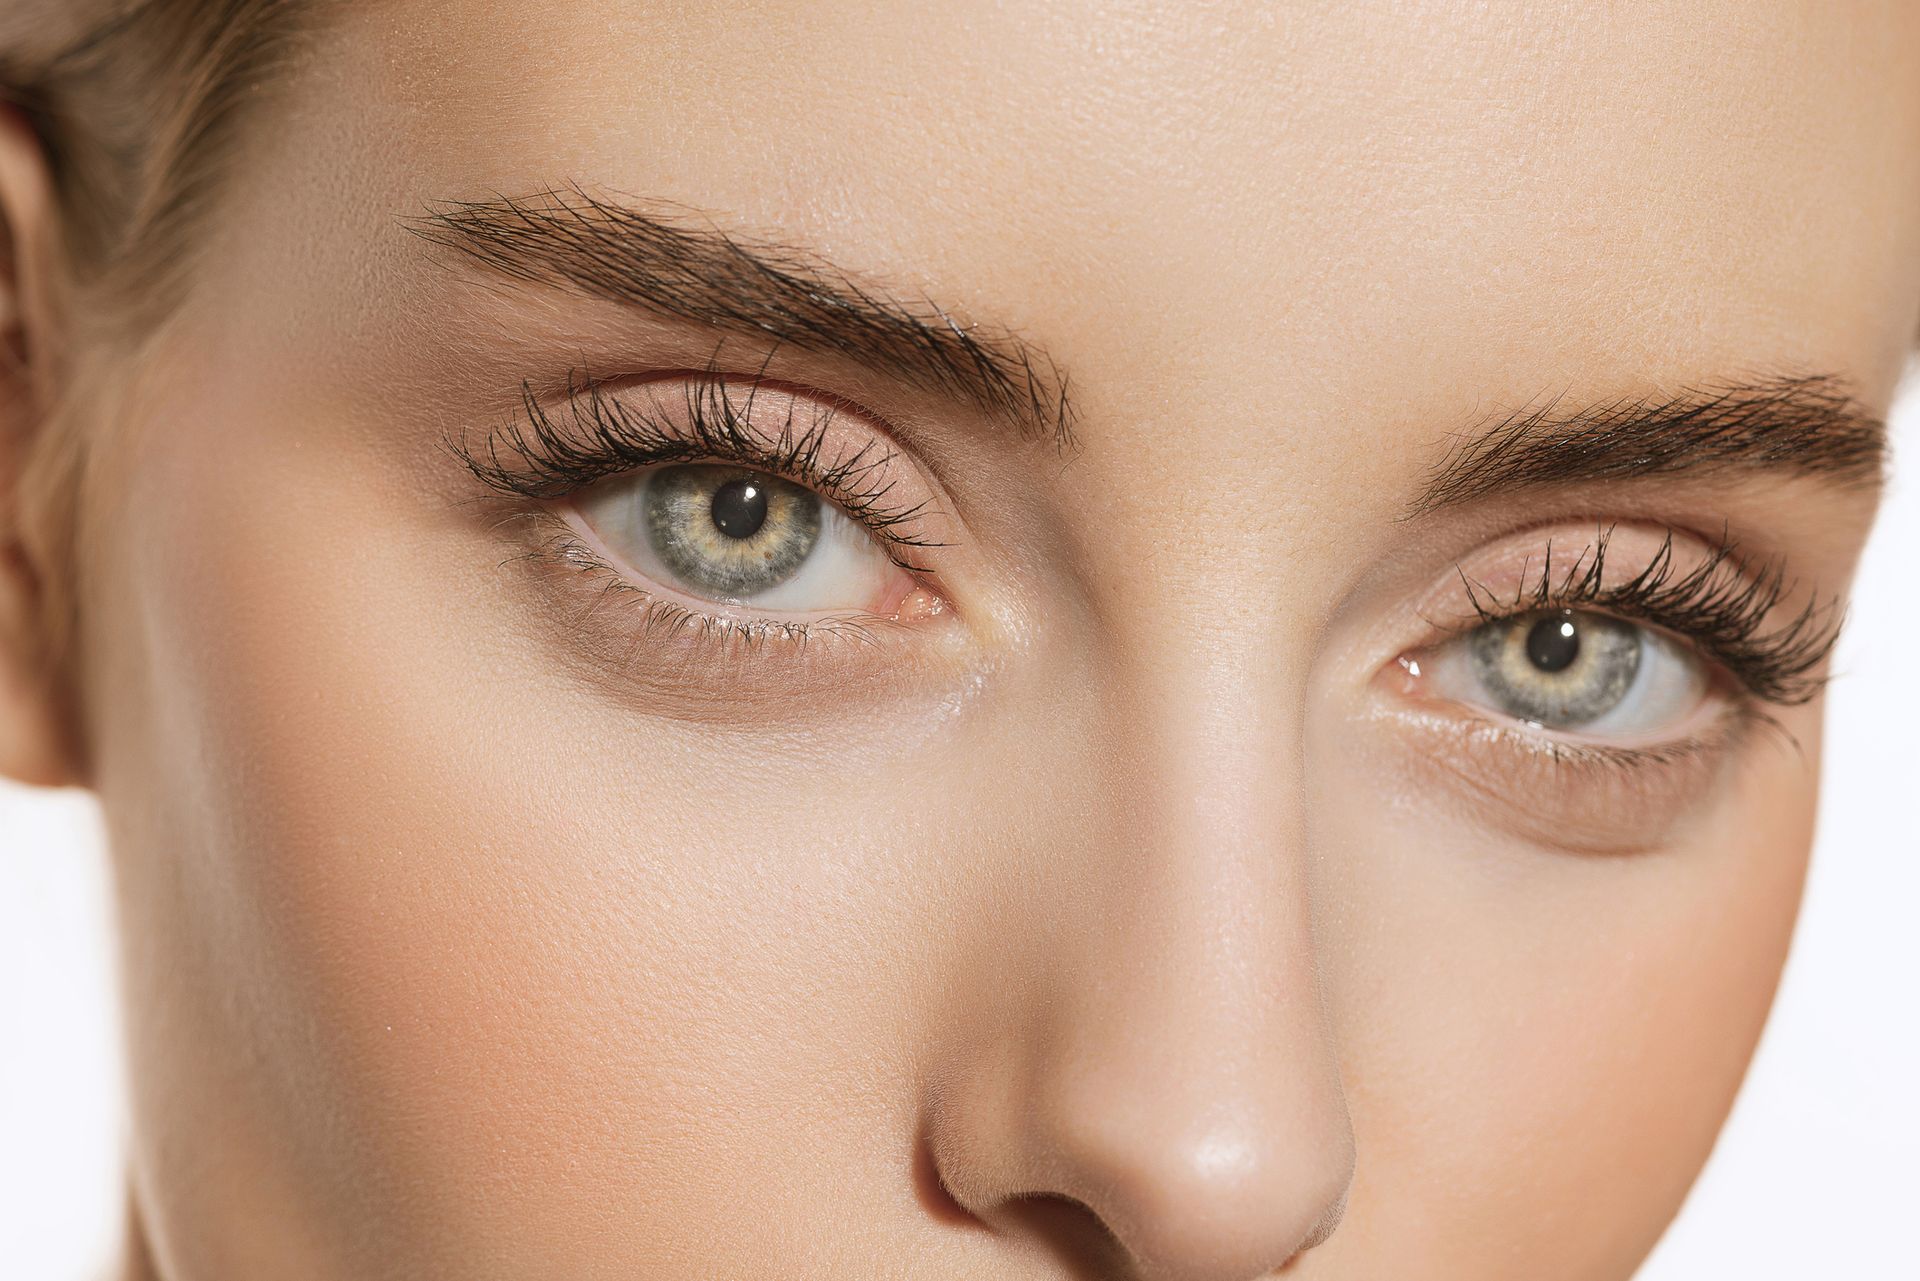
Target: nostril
<point>930,1190</point>
<point>1070,1233</point>
<point>1079,1241</point>
<point>1324,1229</point>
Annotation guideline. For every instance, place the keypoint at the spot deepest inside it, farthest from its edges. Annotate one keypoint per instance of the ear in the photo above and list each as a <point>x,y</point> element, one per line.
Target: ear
<point>33,744</point>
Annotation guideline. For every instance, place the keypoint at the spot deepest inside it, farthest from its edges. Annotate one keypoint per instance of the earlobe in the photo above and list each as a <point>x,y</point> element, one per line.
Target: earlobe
<point>31,737</point>
<point>33,747</point>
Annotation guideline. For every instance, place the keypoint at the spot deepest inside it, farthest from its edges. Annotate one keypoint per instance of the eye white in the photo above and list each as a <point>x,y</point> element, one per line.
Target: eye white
<point>1669,686</point>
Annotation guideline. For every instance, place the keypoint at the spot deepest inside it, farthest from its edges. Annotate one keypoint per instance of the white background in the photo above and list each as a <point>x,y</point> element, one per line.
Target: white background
<point>1817,1175</point>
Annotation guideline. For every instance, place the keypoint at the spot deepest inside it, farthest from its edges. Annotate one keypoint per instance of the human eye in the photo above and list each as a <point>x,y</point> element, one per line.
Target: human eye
<point>1579,644</point>
<point>1592,685</point>
<point>731,535</point>
<point>726,510</point>
<point>1577,671</point>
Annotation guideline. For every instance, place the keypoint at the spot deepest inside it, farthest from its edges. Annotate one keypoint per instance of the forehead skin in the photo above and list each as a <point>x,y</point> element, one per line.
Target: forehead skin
<point>1683,186</point>
<point>410,985</point>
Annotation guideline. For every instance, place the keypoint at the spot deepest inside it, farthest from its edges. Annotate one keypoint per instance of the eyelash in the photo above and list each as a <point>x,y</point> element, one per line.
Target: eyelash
<point>1720,606</point>
<point>597,437</point>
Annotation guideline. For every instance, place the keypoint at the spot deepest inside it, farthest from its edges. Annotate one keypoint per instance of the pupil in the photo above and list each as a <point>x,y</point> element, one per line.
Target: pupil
<point>739,508</point>
<point>1553,644</point>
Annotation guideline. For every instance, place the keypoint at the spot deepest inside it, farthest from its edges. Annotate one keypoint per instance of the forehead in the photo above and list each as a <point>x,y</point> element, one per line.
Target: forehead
<point>1573,191</point>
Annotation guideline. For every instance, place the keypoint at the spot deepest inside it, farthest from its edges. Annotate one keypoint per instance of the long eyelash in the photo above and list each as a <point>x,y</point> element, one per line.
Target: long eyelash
<point>1722,606</point>
<point>595,436</point>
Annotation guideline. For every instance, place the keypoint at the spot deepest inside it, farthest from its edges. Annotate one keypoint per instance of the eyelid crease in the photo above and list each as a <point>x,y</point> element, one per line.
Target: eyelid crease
<point>1721,607</point>
<point>598,436</point>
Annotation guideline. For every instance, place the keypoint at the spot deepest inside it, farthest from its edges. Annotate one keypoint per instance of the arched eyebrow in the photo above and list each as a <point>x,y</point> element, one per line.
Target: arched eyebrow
<point>1806,426</point>
<point>677,263</point>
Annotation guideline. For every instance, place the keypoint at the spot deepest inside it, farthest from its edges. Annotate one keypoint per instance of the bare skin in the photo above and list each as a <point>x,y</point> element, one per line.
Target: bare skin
<point>1134,889</point>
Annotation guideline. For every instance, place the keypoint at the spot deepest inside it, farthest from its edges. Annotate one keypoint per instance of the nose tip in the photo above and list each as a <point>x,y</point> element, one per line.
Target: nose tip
<point>1219,1196</point>
<point>1154,1044</point>
<point>1204,1126</point>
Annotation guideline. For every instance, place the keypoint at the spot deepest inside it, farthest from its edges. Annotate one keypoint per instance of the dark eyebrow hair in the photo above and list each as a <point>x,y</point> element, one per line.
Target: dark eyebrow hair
<point>675,262</point>
<point>1807,426</point>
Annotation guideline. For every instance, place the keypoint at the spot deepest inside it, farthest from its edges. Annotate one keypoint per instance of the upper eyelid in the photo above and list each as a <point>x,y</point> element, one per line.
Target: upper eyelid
<point>604,428</point>
<point>1720,608</point>
<point>594,429</point>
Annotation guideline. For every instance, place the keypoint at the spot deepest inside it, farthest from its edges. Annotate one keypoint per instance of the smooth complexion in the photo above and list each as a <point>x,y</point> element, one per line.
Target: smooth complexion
<point>1126,891</point>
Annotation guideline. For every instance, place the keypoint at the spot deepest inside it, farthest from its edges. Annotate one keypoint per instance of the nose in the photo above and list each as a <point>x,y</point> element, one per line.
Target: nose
<point>1145,1062</point>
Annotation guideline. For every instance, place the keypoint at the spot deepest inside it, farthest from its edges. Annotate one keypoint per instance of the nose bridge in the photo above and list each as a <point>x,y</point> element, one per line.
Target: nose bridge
<point>1172,1070</point>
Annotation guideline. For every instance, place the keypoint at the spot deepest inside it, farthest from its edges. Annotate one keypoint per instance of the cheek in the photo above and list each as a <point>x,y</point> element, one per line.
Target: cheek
<point>428,930</point>
<point>469,963</point>
<point>1541,1046</point>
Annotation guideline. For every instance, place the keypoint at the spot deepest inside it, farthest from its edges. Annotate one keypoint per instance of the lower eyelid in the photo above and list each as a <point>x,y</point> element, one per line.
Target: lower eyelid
<point>618,635</point>
<point>715,664</point>
<point>1566,795</point>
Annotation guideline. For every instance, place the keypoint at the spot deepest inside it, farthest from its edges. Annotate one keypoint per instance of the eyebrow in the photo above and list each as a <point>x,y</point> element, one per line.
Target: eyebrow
<point>1806,426</point>
<point>674,262</point>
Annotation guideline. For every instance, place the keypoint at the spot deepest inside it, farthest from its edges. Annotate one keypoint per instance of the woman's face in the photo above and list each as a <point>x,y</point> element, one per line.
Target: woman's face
<point>988,641</point>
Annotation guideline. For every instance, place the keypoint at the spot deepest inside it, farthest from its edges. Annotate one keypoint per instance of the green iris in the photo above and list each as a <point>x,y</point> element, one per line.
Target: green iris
<point>729,532</point>
<point>1559,668</point>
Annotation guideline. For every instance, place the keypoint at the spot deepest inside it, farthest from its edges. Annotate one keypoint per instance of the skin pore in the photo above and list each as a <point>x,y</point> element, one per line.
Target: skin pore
<point>1117,870</point>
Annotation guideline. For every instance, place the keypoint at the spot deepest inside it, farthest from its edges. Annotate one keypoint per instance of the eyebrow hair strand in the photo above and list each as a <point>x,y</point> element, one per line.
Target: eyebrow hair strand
<point>672,261</point>
<point>1807,426</point>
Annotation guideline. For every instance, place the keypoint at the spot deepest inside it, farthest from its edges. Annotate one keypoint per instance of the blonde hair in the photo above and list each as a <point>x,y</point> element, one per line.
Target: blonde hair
<point>136,109</point>
<point>136,104</point>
